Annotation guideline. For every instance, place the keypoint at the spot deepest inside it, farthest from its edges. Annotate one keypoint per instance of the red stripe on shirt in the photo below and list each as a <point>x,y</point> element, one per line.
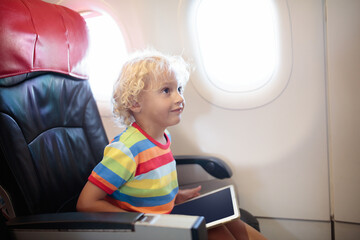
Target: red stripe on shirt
<point>154,163</point>
<point>100,184</point>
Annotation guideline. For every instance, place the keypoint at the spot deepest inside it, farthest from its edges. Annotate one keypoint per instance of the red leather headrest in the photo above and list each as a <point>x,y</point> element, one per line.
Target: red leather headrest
<point>39,36</point>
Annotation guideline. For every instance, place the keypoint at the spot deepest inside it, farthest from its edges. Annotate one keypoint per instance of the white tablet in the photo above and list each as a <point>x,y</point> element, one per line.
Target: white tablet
<point>218,206</point>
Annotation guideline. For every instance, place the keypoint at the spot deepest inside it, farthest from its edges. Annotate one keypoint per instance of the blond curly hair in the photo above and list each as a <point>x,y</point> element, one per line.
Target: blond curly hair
<point>142,69</point>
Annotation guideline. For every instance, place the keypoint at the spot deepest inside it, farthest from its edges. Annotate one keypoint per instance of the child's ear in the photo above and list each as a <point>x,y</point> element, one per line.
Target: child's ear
<point>136,107</point>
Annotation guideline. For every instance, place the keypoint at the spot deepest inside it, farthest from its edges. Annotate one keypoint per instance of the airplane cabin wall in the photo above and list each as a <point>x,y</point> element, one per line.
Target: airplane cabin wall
<point>343,44</point>
<point>278,151</point>
<point>295,160</point>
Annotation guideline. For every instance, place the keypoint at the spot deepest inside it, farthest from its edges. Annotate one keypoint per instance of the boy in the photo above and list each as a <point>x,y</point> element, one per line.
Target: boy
<point>138,171</point>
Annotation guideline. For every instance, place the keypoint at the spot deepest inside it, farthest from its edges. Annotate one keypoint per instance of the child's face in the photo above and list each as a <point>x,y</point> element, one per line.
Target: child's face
<point>162,103</point>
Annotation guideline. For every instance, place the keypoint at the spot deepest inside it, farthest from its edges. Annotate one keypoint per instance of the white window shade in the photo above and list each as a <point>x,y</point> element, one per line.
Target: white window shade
<point>106,55</point>
<point>242,50</point>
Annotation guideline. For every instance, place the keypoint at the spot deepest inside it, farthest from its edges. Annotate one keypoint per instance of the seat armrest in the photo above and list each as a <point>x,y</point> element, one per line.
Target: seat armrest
<point>212,165</point>
<point>95,226</point>
<point>76,220</point>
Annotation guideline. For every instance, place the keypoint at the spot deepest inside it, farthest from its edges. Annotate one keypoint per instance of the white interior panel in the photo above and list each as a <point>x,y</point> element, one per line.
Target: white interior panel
<point>344,111</point>
<point>278,152</point>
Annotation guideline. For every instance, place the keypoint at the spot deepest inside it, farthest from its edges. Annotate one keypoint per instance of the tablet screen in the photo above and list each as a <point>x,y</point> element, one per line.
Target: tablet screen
<point>217,207</point>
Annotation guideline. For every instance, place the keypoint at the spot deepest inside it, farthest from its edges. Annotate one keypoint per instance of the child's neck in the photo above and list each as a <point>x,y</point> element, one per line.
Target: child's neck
<point>156,133</point>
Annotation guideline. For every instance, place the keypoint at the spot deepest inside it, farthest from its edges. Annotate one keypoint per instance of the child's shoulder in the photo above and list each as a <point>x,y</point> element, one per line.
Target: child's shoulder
<point>129,142</point>
<point>129,136</point>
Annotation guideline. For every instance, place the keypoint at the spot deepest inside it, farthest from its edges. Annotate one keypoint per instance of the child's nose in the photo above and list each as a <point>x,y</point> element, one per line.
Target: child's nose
<point>179,98</point>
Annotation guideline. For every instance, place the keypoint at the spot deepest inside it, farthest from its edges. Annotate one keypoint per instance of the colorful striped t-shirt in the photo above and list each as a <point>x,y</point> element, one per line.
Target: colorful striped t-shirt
<point>138,173</point>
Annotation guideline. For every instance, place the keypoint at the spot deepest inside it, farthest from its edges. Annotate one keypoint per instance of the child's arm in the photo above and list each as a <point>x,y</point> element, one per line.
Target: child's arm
<point>91,199</point>
<point>187,194</point>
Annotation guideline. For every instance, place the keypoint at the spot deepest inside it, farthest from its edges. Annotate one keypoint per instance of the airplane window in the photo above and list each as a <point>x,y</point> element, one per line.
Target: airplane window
<point>107,52</point>
<point>241,49</point>
<point>245,30</point>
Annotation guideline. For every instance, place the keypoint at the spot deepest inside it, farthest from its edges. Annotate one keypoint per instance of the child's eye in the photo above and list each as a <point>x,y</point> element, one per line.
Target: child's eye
<point>180,90</point>
<point>166,90</point>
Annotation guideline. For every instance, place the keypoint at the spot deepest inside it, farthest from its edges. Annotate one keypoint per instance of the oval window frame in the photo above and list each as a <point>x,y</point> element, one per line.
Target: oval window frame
<point>246,99</point>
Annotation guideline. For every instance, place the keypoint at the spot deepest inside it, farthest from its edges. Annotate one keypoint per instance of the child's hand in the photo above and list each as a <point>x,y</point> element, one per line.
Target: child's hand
<point>187,194</point>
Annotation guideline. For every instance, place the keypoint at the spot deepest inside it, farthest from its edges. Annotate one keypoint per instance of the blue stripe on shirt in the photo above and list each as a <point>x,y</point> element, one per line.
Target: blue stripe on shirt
<point>109,175</point>
<point>158,172</point>
<point>141,146</point>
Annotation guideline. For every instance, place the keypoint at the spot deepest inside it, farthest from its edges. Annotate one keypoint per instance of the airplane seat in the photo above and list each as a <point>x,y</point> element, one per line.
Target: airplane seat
<point>51,134</point>
<point>51,131</point>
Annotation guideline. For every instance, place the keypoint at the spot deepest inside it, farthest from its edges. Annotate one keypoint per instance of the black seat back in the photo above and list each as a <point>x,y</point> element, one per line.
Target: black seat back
<point>51,134</point>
